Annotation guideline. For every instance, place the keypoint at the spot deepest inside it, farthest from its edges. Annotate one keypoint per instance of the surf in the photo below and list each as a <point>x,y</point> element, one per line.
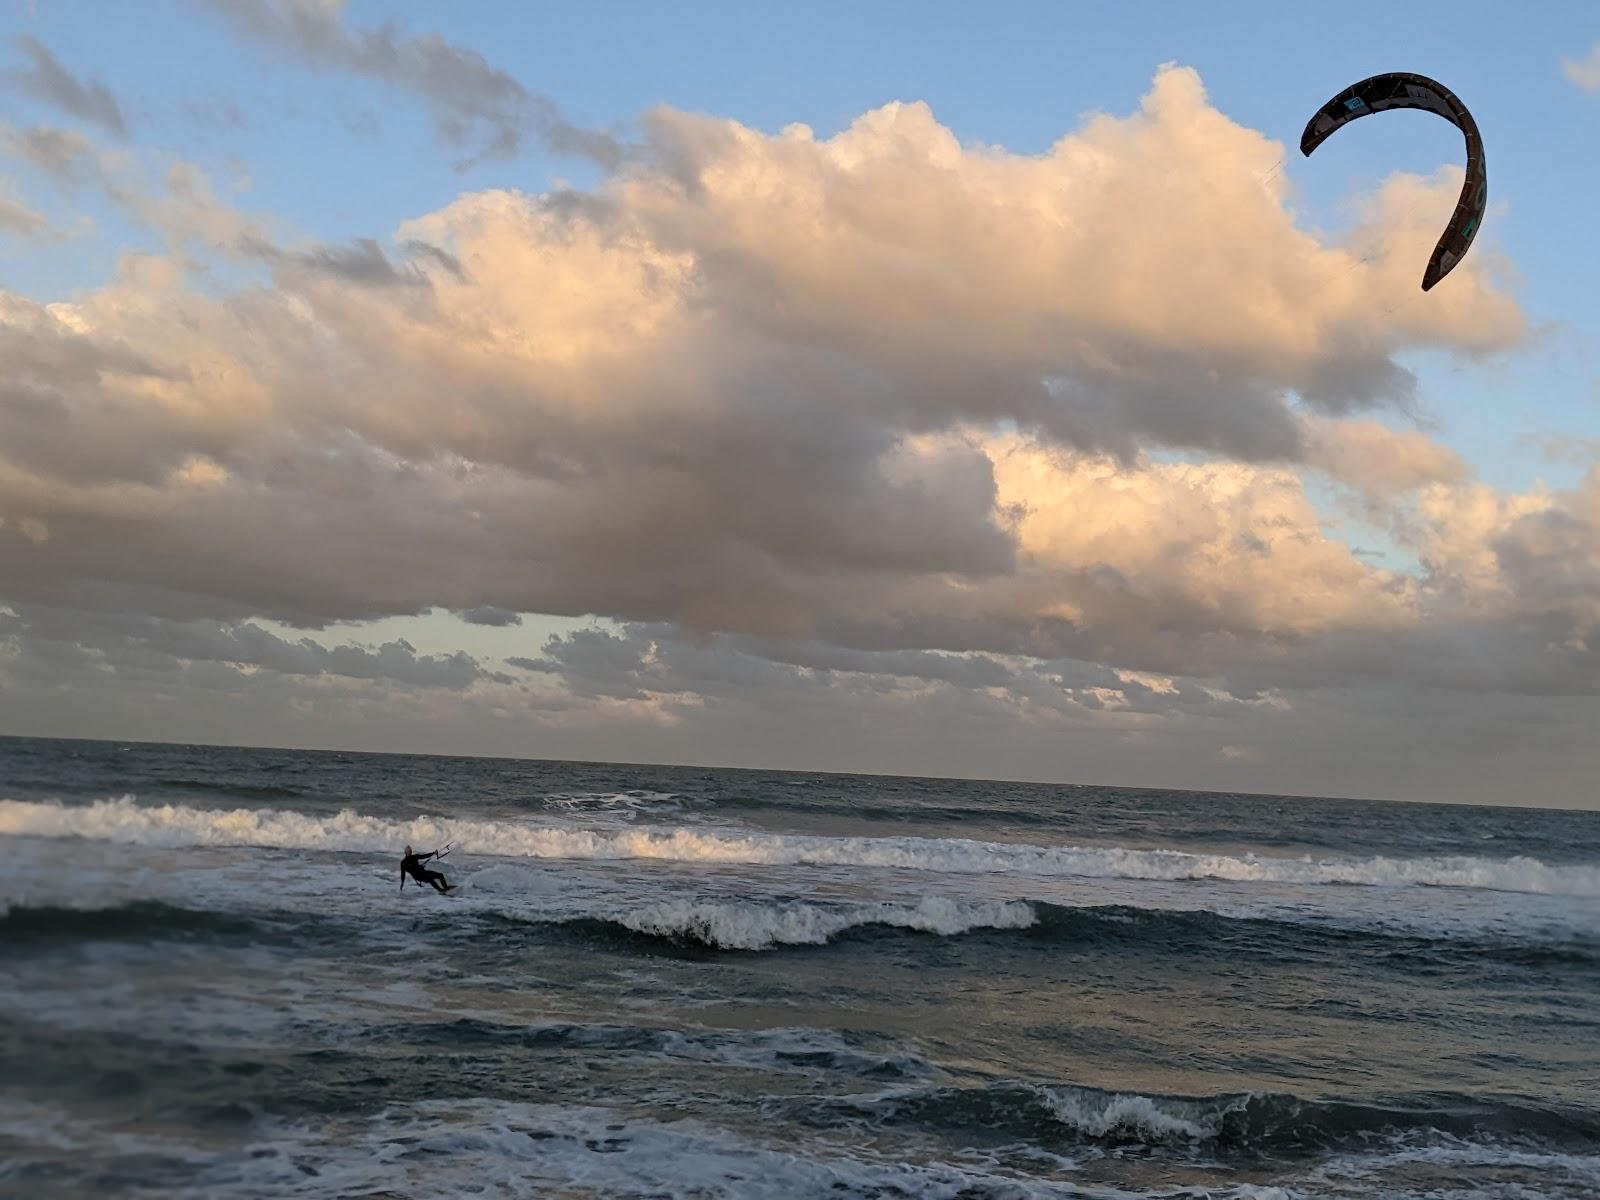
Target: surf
<point>125,821</point>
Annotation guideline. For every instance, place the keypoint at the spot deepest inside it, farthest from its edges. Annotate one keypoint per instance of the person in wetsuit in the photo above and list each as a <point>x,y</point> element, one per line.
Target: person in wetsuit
<point>411,865</point>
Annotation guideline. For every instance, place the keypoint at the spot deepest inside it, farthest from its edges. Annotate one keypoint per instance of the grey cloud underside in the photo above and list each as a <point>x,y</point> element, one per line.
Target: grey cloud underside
<point>641,660</point>
<point>488,614</point>
<point>46,79</point>
<point>1466,661</point>
<point>1469,714</point>
<point>1376,742</point>
<point>132,645</point>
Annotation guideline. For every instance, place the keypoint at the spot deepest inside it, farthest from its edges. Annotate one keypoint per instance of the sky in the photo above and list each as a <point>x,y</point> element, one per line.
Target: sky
<point>909,388</point>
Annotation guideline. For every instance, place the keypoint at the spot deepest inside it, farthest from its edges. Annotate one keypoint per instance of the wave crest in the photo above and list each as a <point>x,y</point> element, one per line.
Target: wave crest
<point>1226,1123</point>
<point>755,926</point>
<point>125,821</point>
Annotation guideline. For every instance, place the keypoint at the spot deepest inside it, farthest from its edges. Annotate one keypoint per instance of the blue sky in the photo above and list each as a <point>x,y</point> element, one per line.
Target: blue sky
<point>319,154</point>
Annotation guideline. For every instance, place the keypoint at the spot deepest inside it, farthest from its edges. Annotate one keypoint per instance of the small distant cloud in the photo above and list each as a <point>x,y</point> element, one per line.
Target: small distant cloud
<point>1585,71</point>
<point>363,262</point>
<point>48,80</point>
<point>217,112</point>
<point>57,152</point>
<point>532,664</point>
<point>16,217</point>
<point>1568,448</point>
<point>1244,754</point>
<point>488,614</point>
<point>478,107</point>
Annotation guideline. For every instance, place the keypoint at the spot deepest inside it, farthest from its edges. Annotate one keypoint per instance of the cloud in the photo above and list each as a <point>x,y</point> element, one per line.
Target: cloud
<point>1055,721</point>
<point>150,645</point>
<point>748,384</point>
<point>16,217</point>
<point>478,107</point>
<point>1412,714</point>
<point>488,614</point>
<point>877,428</point>
<point>48,80</point>
<point>1585,71</point>
<point>654,666</point>
<point>57,152</point>
<point>1378,460</point>
<point>1525,557</point>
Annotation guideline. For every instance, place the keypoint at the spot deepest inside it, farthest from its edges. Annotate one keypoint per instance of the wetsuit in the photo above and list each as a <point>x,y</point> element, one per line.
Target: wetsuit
<point>411,865</point>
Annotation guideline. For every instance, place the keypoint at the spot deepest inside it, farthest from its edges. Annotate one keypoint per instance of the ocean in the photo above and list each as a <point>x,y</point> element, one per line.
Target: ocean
<point>694,983</point>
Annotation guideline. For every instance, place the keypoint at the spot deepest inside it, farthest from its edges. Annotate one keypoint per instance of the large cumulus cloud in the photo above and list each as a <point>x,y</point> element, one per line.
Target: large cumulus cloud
<point>923,422</point>
<point>752,381</point>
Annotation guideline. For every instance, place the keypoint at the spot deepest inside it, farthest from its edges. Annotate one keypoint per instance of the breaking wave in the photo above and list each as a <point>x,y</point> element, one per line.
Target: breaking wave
<point>757,926</point>
<point>124,821</point>
<point>705,925</point>
<point>1228,1123</point>
<point>735,925</point>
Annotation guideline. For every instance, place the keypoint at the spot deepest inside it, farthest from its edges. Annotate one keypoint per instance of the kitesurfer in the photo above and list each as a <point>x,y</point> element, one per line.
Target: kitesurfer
<point>411,865</point>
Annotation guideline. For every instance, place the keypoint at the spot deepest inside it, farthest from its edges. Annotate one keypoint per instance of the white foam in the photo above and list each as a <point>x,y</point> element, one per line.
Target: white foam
<point>756,926</point>
<point>1141,1117</point>
<point>617,808</point>
<point>1477,1169</point>
<point>578,801</point>
<point>124,821</point>
<point>438,1149</point>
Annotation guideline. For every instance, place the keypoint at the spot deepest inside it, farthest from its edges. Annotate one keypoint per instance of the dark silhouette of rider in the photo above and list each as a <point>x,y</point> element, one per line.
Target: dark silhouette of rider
<point>411,865</point>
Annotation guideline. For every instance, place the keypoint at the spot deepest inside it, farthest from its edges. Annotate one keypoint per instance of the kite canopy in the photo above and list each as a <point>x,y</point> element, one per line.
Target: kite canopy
<point>1400,89</point>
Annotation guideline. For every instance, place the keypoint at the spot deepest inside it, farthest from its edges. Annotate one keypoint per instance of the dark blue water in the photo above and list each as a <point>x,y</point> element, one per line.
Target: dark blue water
<point>664,981</point>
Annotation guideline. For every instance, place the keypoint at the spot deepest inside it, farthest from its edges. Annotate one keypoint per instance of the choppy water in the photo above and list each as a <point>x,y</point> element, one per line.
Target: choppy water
<point>662,982</point>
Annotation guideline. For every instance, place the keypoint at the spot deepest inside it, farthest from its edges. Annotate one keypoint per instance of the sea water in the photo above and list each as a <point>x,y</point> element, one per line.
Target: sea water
<point>680,982</point>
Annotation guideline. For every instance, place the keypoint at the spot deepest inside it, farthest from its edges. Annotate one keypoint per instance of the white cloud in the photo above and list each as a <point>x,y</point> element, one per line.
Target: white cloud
<point>1159,548</point>
<point>1377,460</point>
<point>1585,71</point>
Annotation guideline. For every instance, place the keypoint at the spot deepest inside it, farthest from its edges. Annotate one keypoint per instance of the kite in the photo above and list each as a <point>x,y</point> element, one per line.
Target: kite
<point>1400,89</point>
